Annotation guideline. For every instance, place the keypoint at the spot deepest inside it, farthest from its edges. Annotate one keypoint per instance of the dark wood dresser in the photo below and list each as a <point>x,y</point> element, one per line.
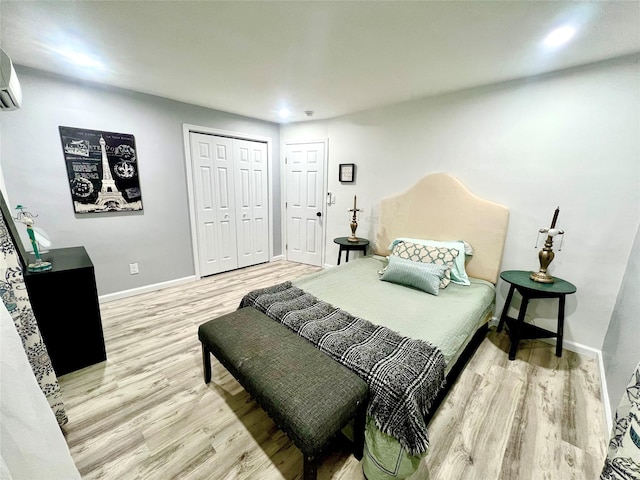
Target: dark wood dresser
<point>65,303</point>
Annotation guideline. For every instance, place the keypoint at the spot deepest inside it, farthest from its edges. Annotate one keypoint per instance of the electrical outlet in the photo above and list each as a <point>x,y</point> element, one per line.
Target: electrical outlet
<point>133,268</point>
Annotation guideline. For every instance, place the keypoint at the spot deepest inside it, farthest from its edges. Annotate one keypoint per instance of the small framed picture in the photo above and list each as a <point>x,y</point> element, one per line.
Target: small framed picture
<point>347,172</point>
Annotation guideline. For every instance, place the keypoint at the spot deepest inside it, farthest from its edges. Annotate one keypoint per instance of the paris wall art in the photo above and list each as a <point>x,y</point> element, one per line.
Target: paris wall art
<point>102,168</point>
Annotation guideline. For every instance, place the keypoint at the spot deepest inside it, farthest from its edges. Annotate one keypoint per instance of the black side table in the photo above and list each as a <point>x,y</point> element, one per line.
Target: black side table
<point>518,328</point>
<point>347,246</point>
<point>66,306</point>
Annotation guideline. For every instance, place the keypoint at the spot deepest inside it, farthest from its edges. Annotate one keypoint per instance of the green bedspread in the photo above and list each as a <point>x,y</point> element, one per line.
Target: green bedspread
<point>447,320</point>
<point>355,287</point>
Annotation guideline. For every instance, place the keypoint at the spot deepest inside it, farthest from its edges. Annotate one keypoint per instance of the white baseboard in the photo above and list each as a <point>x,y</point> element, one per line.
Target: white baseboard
<point>604,392</point>
<point>146,289</point>
<point>156,286</point>
<point>576,348</point>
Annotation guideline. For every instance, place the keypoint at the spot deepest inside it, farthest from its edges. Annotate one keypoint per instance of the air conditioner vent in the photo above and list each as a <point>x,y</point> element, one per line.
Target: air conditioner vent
<point>10,92</point>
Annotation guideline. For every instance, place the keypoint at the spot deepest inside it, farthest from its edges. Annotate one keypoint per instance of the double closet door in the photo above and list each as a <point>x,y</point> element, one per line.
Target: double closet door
<point>231,202</point>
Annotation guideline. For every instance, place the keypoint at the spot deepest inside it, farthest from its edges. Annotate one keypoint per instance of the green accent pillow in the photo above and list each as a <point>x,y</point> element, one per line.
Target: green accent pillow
<point>428,254</point>
<point>423,276</point>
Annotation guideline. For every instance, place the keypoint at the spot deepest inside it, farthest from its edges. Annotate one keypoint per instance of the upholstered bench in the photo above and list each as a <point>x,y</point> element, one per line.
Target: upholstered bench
<point>310,396</point>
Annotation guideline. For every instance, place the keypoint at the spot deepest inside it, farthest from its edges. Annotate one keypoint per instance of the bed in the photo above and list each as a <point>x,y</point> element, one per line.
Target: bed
<point>439,214</point>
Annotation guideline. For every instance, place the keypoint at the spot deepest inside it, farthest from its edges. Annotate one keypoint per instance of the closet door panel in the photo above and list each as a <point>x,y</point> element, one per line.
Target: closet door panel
<point>207,228</point>
<point>210,249</point>
<point>243,202</point>
<point>261,241</point>
<point>202,158</point>
<point>222,192</point>
<point>245,246</point>
<point>251,202</point>
<point>225,203</point>
<point>214,203</point>
<point>231,202</point>
<point>260,207</point>
<point>228,251</point>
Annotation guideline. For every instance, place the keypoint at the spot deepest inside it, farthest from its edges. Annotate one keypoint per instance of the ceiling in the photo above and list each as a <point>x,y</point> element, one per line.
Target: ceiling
<point>334,58</point>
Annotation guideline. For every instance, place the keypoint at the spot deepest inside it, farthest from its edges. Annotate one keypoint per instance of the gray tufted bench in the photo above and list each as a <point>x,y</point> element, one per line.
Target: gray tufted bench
<point>310,396</point>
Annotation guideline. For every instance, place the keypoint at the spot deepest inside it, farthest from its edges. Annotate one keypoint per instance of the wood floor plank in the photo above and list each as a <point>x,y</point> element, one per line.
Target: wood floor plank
<point>146,412</point>
<point>482,424</point>
<point>444,422</point>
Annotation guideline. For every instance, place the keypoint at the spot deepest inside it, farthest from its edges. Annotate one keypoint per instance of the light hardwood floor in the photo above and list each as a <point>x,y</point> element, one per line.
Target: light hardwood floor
<point>146,413</point>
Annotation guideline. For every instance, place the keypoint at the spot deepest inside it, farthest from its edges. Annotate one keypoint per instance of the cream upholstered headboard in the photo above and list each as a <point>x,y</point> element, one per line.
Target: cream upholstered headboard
<point>439,207</point>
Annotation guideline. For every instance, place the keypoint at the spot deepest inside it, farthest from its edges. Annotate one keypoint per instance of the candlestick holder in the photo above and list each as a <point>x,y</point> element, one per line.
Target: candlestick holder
<point>354,222</point>
<point>546,255</point>
<point>353,225</point>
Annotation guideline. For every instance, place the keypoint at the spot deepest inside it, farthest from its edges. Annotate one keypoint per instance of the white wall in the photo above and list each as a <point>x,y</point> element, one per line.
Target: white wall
<point>569,139</point>
<point>159,237</point>
<point>620,351</point>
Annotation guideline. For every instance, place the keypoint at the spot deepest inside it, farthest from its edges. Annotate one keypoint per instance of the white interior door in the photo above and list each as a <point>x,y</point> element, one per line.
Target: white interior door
<point>213,183</point>
<point>251,202</point>
<point>304,202</point>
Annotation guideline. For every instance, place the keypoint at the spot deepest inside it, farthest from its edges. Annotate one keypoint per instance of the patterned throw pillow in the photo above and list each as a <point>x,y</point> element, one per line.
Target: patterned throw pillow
<point>425,254</point>
<point>458,271</point>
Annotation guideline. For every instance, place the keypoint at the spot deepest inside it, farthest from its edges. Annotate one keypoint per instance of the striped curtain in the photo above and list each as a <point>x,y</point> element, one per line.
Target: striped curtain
<point>16,298</point>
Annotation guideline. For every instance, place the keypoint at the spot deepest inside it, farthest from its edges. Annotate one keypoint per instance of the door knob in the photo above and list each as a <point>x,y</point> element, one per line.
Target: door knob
<point>318,214</point>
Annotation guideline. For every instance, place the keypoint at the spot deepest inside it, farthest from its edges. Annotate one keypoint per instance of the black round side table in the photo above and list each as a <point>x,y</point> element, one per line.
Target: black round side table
<point>518,328</point>
<point>347,246</point>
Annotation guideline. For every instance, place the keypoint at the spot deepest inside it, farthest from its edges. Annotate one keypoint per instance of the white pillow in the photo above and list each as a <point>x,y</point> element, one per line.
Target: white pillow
<point>458,272</point>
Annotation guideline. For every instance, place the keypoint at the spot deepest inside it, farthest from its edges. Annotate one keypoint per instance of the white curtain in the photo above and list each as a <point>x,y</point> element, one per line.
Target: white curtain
<point>32,445</point>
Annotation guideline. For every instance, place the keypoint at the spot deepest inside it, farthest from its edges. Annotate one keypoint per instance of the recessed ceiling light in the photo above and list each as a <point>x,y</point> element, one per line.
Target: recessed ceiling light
<point>80,58</point>
<point>284,113</point>
<point>559,36</point>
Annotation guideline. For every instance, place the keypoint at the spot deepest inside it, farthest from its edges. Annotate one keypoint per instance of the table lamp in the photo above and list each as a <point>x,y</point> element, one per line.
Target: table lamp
<point>546,254</point>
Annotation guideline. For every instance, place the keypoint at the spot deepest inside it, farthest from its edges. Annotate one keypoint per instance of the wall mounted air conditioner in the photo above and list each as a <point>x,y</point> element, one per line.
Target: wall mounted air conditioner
<point>10,92</point>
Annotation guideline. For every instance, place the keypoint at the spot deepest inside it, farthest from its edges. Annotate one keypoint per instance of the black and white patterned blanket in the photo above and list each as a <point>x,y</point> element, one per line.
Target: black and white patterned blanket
<point>404,375</point>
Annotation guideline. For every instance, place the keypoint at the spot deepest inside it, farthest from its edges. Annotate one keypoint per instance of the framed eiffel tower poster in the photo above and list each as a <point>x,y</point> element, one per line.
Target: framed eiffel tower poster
<point>102,168</point>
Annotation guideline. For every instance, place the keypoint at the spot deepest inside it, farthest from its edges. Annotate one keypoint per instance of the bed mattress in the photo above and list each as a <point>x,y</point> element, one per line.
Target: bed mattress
<point>447,320</point>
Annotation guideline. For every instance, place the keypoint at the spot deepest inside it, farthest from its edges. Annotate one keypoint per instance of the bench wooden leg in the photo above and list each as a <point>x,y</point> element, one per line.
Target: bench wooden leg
<point>358,431</point>
<point>310,468</point>
<point>206,363</point>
